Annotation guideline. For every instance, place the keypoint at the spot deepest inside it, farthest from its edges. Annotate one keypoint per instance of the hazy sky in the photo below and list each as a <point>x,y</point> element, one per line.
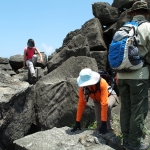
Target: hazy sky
<point>46,21</point>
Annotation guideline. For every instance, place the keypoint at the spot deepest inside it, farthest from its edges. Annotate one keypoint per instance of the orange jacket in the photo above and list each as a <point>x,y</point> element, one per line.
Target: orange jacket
<point>100,96</point>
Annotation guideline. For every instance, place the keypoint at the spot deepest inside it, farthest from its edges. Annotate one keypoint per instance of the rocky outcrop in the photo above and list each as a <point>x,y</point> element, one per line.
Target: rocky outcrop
<point>93,32</point>
<point>16,61</point>
<point>101,59</point>
<point>51,102</point>
<point>79,43</point>
<point>111,29</point>
<point>123,4</point>
<point>77,46</point>
<point>44,63</point>
<point>94,36</point>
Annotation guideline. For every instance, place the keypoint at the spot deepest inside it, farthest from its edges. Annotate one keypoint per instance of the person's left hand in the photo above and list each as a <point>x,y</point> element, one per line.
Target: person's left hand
<point>103,128</point>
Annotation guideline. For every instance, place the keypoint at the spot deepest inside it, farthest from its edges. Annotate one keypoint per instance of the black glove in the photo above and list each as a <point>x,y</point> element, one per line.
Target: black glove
<point>77,126</point>
<point>103,128</point>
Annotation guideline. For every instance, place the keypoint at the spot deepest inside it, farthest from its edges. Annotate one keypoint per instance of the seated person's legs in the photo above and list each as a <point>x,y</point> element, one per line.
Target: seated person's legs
<point>31,67</point>
<point>34,60</point>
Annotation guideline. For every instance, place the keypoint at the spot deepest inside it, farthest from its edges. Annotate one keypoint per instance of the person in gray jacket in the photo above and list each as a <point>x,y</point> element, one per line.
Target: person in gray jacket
<point>133,86</point>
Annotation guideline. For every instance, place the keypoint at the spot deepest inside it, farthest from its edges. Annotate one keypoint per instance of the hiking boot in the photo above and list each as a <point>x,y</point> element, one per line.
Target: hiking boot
<point>125,143</point>
<point>33,76</point>
<point>143,146</point>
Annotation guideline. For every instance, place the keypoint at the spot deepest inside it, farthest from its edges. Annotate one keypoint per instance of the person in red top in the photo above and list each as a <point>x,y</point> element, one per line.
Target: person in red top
<point>30,58</point>
<point>87,81</point>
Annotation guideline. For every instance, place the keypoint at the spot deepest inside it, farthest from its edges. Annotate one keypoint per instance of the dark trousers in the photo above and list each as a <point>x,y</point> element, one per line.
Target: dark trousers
<point>134,108</point>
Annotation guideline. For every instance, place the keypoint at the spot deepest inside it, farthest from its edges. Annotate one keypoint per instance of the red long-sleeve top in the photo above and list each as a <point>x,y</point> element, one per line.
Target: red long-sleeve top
<point>100,96</point>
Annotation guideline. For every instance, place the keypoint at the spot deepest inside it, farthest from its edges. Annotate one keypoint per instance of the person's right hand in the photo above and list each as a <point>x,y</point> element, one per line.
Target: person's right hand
<point>103,128</point>
<point>77,126</point>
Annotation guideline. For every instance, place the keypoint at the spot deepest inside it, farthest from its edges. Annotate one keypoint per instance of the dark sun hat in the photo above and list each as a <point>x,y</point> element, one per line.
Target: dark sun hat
<point>138,5</point>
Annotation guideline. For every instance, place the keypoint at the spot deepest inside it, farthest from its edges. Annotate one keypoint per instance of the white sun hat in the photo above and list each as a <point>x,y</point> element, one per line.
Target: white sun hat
<point>87,77</point>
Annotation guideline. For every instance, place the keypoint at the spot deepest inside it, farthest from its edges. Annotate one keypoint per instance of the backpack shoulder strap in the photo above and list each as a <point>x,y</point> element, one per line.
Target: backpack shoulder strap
<point>141,21</point>
<point>98,85</point>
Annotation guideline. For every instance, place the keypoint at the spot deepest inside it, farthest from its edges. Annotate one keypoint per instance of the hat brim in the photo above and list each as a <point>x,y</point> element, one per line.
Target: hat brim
<point>95,77</point>
<point>130,12</point>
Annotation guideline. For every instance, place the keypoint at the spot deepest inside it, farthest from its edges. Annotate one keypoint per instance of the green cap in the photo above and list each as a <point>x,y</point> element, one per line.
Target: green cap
<point>138,5</point>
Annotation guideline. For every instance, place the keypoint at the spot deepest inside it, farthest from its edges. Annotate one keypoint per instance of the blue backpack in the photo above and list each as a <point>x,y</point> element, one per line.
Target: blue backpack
<point>123,55</point>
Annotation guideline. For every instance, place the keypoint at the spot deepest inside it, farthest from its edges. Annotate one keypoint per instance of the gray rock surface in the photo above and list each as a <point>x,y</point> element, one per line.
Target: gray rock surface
<point>101,59</point>
<point>62,139</point>
<point>123,4</point>
<point>105,12</point>
<point>16,108</point>
<point>4,60</point>
<point>5,65</point>
<point>43,64</point>
<point>77,46</point>
<point>93,30</point>
<point>16,61</point>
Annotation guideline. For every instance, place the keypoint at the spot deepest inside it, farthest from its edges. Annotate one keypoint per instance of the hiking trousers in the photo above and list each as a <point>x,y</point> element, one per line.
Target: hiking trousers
<point>134,108</point>
<point>112,99</point>
<point>31,63</point>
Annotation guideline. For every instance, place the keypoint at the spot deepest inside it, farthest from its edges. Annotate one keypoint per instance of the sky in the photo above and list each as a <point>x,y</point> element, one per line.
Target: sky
<point>46,21</point>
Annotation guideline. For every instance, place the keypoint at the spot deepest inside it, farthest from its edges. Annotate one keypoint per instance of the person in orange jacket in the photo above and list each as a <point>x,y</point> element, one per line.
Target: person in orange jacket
<point>104,99</point>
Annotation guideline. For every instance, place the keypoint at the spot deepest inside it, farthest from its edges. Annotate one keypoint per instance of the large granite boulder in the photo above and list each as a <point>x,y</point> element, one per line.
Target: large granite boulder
<point>16,61</point>
<point>105,12</point>
<point>16,109</point>
<point>101,59</point>
<point>43,64</point>
<point>5,65</point>
<point>57,95</point>
<point>93,30</point>
<point>79,43</point>
<point>123,4</point>
<point>77,46</point>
